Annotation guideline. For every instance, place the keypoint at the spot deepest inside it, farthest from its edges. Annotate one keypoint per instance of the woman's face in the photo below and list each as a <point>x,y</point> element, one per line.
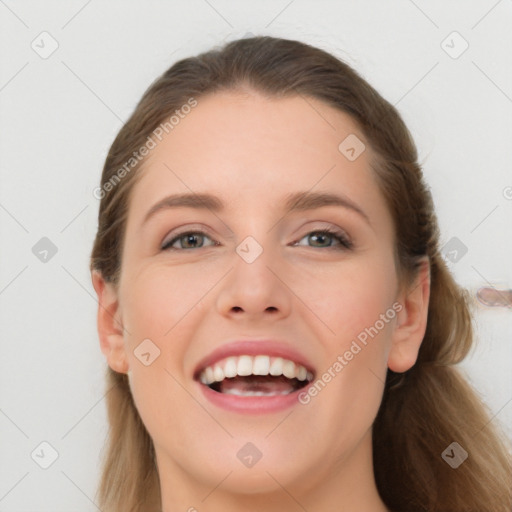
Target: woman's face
<point>258,271</point>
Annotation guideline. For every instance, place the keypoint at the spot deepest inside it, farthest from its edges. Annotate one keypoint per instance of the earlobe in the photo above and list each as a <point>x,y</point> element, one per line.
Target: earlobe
<point>411,322</point>
<point>109,323</point>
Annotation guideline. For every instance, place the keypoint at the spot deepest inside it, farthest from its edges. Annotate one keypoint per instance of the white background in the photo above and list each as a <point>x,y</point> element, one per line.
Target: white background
<point>59,116</point>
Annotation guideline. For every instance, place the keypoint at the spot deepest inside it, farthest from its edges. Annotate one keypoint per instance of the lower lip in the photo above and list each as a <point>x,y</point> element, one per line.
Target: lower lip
<point>252,404</point>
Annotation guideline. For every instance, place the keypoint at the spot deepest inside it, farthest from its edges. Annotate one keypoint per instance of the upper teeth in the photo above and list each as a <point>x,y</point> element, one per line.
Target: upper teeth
<point>253,365</point>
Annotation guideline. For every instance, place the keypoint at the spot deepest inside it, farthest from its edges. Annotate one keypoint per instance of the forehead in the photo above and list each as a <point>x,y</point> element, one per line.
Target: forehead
<point>249,149</point>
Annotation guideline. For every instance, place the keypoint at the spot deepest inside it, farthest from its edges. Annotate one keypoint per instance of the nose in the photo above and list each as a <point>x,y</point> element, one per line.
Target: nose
<point>255,290</point>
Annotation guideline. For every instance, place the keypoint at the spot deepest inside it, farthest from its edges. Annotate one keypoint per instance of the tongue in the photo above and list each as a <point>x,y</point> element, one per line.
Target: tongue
<point>264,383</point>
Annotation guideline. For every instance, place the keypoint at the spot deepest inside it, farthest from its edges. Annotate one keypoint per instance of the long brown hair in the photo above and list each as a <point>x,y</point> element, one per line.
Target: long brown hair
<point>423,410</point>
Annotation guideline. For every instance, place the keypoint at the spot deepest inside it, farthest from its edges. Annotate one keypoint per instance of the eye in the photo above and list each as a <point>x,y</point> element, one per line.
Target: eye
<point>195,240</point>
<point>187,240</point>
<point>323,235</point>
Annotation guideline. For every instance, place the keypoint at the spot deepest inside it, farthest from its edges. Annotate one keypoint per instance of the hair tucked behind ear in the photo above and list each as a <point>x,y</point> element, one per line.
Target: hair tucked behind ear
<point>433,406</point>
<point>423,410</point>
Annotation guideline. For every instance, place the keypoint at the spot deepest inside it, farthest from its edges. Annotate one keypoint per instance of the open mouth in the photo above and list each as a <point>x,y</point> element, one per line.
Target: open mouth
<point>259,375</point>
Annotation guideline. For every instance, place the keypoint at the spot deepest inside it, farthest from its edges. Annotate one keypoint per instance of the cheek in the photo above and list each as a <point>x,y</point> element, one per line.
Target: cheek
<point>349,296</point>
<point>159,306</point>
<point>160,298</point>
<point>355,366</point>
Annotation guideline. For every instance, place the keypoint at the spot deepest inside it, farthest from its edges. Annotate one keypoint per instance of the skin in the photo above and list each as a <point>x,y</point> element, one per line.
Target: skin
<point>252,151</point>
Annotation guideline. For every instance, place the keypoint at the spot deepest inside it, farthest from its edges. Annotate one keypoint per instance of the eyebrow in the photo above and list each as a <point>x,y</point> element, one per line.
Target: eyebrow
<point>298,201</point>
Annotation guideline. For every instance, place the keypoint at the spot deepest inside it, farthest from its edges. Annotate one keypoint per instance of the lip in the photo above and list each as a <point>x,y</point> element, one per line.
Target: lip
<point>253,348</point>
<point>253,404</point>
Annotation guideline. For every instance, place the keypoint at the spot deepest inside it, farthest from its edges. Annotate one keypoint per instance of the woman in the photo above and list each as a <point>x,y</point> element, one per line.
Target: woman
<point>279,325</point>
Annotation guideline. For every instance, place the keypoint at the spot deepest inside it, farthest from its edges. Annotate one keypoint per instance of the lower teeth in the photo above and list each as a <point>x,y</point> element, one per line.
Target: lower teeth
<point>253,393</point>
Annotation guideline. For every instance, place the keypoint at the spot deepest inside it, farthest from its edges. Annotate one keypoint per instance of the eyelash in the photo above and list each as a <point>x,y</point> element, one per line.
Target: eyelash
<point>344,244</point>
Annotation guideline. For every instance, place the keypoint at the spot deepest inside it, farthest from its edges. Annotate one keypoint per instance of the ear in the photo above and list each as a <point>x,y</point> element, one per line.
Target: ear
<point>110,328</point>
<point>411,322</point>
